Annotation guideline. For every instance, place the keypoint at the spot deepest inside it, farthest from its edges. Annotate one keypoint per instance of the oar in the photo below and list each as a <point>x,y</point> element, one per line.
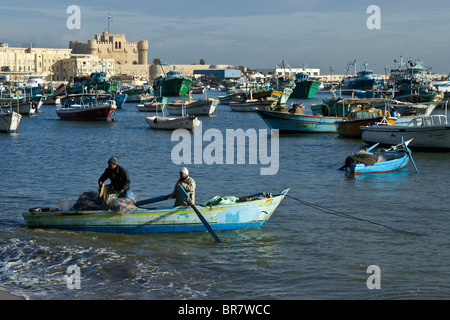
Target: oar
<point>372,147</point>
<point>205,223</point>
<point>409,155</point>
<point>151,200</point>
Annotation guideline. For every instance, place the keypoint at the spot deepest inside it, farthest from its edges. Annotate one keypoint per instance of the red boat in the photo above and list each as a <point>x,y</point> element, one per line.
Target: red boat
<point>87,111</point>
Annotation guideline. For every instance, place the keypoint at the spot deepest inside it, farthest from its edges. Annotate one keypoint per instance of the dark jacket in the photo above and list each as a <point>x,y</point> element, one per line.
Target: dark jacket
<point>121,179</point>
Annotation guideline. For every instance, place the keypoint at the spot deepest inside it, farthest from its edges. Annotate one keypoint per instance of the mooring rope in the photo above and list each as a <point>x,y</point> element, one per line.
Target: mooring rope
<point>348,216</point>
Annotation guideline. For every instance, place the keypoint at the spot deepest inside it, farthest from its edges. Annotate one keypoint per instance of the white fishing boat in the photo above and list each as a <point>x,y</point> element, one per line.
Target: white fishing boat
<point>9,121</point>
<point>428,133</point>
<point>24,106</point>
<point>250,105</point>
<point>188,122</point>
<point>199,107</point>
<point>150,106</point>
<point>172,123</point>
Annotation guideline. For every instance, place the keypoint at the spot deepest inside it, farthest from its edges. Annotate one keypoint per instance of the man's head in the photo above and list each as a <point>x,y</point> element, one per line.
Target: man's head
<point>112,163</point>
<point>184,173</point>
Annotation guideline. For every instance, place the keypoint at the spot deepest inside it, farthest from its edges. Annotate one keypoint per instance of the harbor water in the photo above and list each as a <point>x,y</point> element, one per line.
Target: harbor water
<point>321,243</point>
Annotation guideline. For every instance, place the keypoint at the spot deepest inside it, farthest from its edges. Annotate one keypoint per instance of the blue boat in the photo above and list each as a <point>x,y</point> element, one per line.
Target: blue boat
<point>290,122</point>
<point>382,161</point>
<point>248,212</point>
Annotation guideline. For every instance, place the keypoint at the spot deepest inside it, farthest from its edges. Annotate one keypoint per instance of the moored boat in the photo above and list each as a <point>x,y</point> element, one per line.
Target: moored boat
<point>249,212</point>
<point>304,87</point>
<point>427,133</point>
<point>9,121</point>
<point>25,107</point>
<point>172,123</point>
<point>199,107</point>
<point>382,161</point>
<point>297,122</point>
<point>99,110</point>
<point>172,85</point>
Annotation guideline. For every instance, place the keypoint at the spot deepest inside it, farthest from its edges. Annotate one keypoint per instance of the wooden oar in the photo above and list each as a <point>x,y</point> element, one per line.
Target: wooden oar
<point>151,200</point>
<point>409,154</point>
<point>372,147</point>
<point>200,216</point>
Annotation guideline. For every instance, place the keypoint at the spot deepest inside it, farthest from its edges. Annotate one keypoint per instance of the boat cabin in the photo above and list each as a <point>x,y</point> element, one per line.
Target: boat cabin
<point>366,114</point>
<point>434,120</point>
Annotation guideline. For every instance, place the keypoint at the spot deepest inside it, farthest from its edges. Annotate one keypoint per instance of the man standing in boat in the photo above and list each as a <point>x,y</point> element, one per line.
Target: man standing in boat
<point>120,180</point>
<point>188,184</point>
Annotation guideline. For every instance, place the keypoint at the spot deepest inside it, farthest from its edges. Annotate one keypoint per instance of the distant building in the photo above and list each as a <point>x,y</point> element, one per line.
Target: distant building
<point>83,65</point>
<point>290,72</point>
<point>27,61</point>
<point>113,46</point>
<point>131,58</point>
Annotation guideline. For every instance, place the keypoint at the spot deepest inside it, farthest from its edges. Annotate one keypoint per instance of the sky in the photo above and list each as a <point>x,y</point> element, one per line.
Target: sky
<point>252,33</point>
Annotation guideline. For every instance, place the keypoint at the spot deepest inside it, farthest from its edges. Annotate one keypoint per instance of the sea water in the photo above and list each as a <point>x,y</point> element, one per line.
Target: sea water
<point>303,251</point>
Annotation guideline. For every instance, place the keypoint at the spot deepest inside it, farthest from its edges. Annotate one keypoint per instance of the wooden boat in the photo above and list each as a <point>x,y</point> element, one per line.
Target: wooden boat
<point>172,123</point>
<point>293,121</point>
<point>253,213</point>
<point>428,133</point>
<point>152,106</point>
<point>85,98</point>
<point>349,126</point>
<point>230,97</point>
<point>199,107</point>
<point>100,110</point>
<point>135,94</point>
<point>304,87</point>
<point>251,105</point>
<point>25,107</point>
<point>382,161</point>
<point>245,104</point>
<point>9,121</point>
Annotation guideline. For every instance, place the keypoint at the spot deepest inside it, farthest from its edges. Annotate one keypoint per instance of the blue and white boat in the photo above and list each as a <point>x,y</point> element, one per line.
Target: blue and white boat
<point>383,161</point>
<point>253,213</point>
<point>287,122</point>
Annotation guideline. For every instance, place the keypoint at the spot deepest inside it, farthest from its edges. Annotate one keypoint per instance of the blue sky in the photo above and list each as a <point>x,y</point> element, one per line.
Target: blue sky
<point>253,33</point>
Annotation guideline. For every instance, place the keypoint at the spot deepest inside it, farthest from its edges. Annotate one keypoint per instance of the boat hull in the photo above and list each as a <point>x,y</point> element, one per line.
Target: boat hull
<point>150,107</point>
<point>201,107</point>
<point>351,128</point>
<point>251,214</point>
<point>305,89</point>
<point>169,123</point>
<point>9,122</point>
<point>174,87</point>
<point>250,106</point>
<point>94,113</point>
<point>380,167</point>
<point>295,123</point>
<point>25,108</point>
<point>424,138</point>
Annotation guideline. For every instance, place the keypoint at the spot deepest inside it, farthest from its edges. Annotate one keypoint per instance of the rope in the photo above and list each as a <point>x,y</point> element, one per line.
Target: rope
<point>347,216</point>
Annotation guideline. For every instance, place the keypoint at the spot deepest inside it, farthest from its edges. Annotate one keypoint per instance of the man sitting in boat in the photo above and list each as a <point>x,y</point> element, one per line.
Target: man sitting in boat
<point>188,184</point>
<point>120,180</point>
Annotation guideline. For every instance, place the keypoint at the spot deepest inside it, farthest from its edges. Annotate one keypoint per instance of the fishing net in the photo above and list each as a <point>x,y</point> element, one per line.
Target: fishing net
<point>92,201</point>
<point>363,157</point>
<point>219,200</point>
